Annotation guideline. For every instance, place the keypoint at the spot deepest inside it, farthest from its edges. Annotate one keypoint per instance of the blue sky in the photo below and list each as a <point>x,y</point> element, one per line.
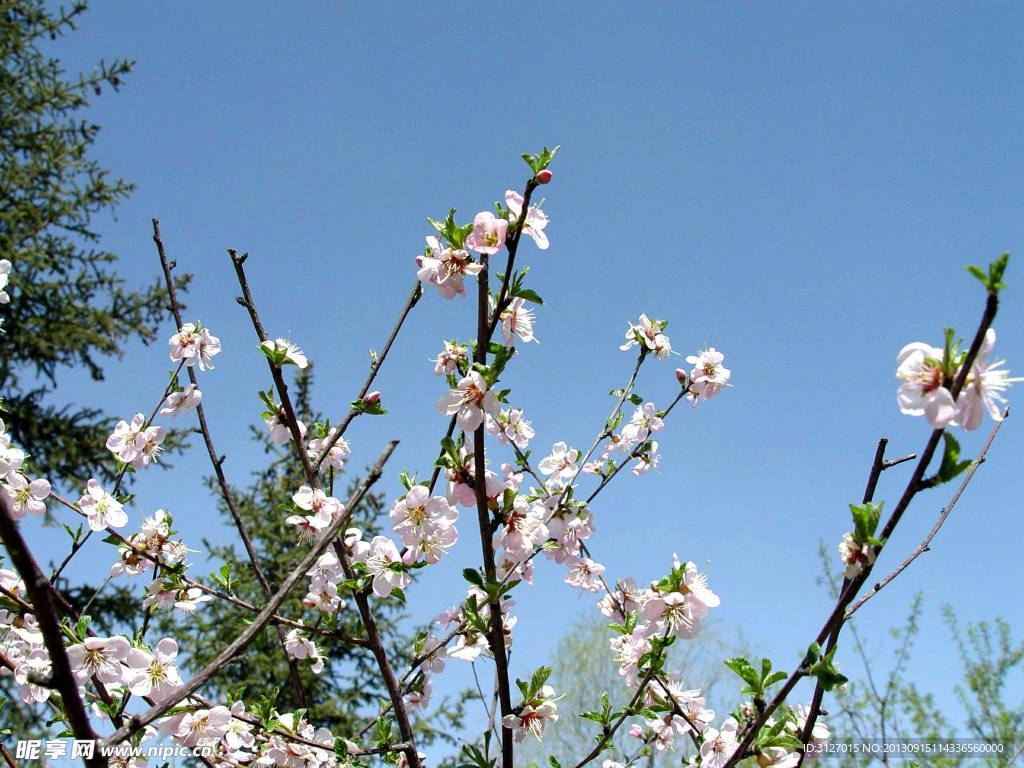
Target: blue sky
<point>798,185</point>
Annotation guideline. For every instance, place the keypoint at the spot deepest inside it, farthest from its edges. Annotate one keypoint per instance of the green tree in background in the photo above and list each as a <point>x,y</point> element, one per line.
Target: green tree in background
<point>69,307</point>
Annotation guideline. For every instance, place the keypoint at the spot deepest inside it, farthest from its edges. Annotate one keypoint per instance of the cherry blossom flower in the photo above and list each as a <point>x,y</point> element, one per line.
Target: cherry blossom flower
<point>468,646</point>
<point>202,727</point>
<point>536,219</point>
<point>923,391</point>
<point>649,333</point>
<point>533,715</point>
<point>194,344</point>
<point>5,269</point>
<point>135,443</point>
<point>283,352</point>
<point>153,673</point>
<point>708,376</point>
<point>101,508</point>
<point>36,665</point>
<point>524,528</point>
<point>855,556</point>
<point>719,745</point>
<point>310,526</point>
<point>488,234</point>
<point>647,459</point>
<point>101,657</point>
<point>517,320</point>
<point>301,647</point>
<point>335,458</point>
<point>446,268</point>
<point>584,574</point>
<point>561,462</point>
<point>425,523</point>
<point>469,401</point>
<point>819,734</point>
<point>181,401</point>
<point>380,558</point>
<point>511,427</point>
<point>984,387</point>
<point>628,650</point>
<point>279,431</point>
<point>645,420</point>
<point>317,502</point>
<point>673,610</point>
<point>23,496</point>
<point>625,595</point>
<point>452,359</point>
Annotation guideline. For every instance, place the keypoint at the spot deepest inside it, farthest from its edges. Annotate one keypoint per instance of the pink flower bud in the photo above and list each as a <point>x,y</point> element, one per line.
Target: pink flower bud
<point>544,176</point>
<point>372,398</point>
<point>681,376</point>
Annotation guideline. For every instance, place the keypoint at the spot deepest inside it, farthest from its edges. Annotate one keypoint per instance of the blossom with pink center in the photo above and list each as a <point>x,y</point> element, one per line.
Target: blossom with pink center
<point>300,647</point>
<point>153,673</point>
<point>649,333</point>
<point>533,715</point>
<point>335,458</point>
<point>923,391</point>
<point>628,650</point>
<point>425,523</point>
<point>647,459</point>
<point>708,376</point>
<point>626,595</point>
<point>385,565</point>
<point>984,387</point>
<point>453,358</point>
<point>181,401</point>
<point>719,745</point>
<point>468,646</point>
<point>488,234</point>
<point>517,320</point>
<point>317,502</point>
<point>536,219</point>
<point>24,497</point>
<point>511,427</point>
<point>645,420</point>
<point>446,268</point>
<point>135,443</point>
<point>194,344</point>
<point>35,665</point>
<point>695,585</point>
<point>279,431</point>
<point>524,528</point>
<point>469,401</point>
<point>584,574</point>
<point>309,526</point>
<point>101,508</point>
<point>100,657</point>
<point>675,611</point>
<point>561,462</point>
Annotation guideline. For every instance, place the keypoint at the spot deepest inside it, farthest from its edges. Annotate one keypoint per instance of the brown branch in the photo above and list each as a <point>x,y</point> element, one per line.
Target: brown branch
<point>339,431</point>
<point>37,587</point>
<point>380,654</point>
<point>291,420</point>
<point>943,515</point>
<point>243,640</point>
<point>217,462</point>
<point>850,590</point>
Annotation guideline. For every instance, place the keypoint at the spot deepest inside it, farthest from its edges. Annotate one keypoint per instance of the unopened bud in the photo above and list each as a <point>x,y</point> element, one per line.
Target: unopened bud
<point>681,376</point>
<point>372,398</point>
<point>544,177</point>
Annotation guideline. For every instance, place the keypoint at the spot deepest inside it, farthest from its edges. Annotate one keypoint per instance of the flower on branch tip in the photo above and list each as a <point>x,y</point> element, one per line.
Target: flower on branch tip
<point>181,401</point>
<point>488,235</point>
<point>533,715</point>
<point>650,334</point>
<point>922,369</point>
<point>536,219</point>
<point>517,320</point>
<point>283,352</point>
<point>984,387</point>
<point>855,555</point>
<point>135,443</point>
<point>469,401</point>
<point>446,267</point>
<point>708,376</point>
<point>561,462</point>
<point>194,344</point>
<point>101,509</point>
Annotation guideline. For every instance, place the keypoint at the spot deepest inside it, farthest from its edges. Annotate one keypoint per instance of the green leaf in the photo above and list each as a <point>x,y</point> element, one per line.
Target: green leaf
<point>865,520</point>
<point>528,295</point>
<point>951,465</point>
<point>826,673</point>
<point>474,577</point>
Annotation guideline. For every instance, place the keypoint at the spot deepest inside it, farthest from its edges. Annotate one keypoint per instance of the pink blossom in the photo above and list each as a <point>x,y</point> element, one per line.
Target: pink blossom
<point>101,508</point>
<point>181,401</point>
<point>446,268</point>
<point>708,376</point>
<point>24,496</point>
<point>536,219</point>
<point>194,344</point>
<point>488,234</point>
<point>923,391</point>
<point>561,462</point>
<point>469,401</point>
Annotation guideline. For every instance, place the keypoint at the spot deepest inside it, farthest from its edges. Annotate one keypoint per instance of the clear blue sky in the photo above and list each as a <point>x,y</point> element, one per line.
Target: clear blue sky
<point>798,185</point>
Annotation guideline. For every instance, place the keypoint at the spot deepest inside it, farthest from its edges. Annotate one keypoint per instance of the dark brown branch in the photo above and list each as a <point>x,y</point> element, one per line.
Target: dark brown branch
<point>291,421</point>
<point>222,482</point>
<point>243,640</point>
<point>38,589</point>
